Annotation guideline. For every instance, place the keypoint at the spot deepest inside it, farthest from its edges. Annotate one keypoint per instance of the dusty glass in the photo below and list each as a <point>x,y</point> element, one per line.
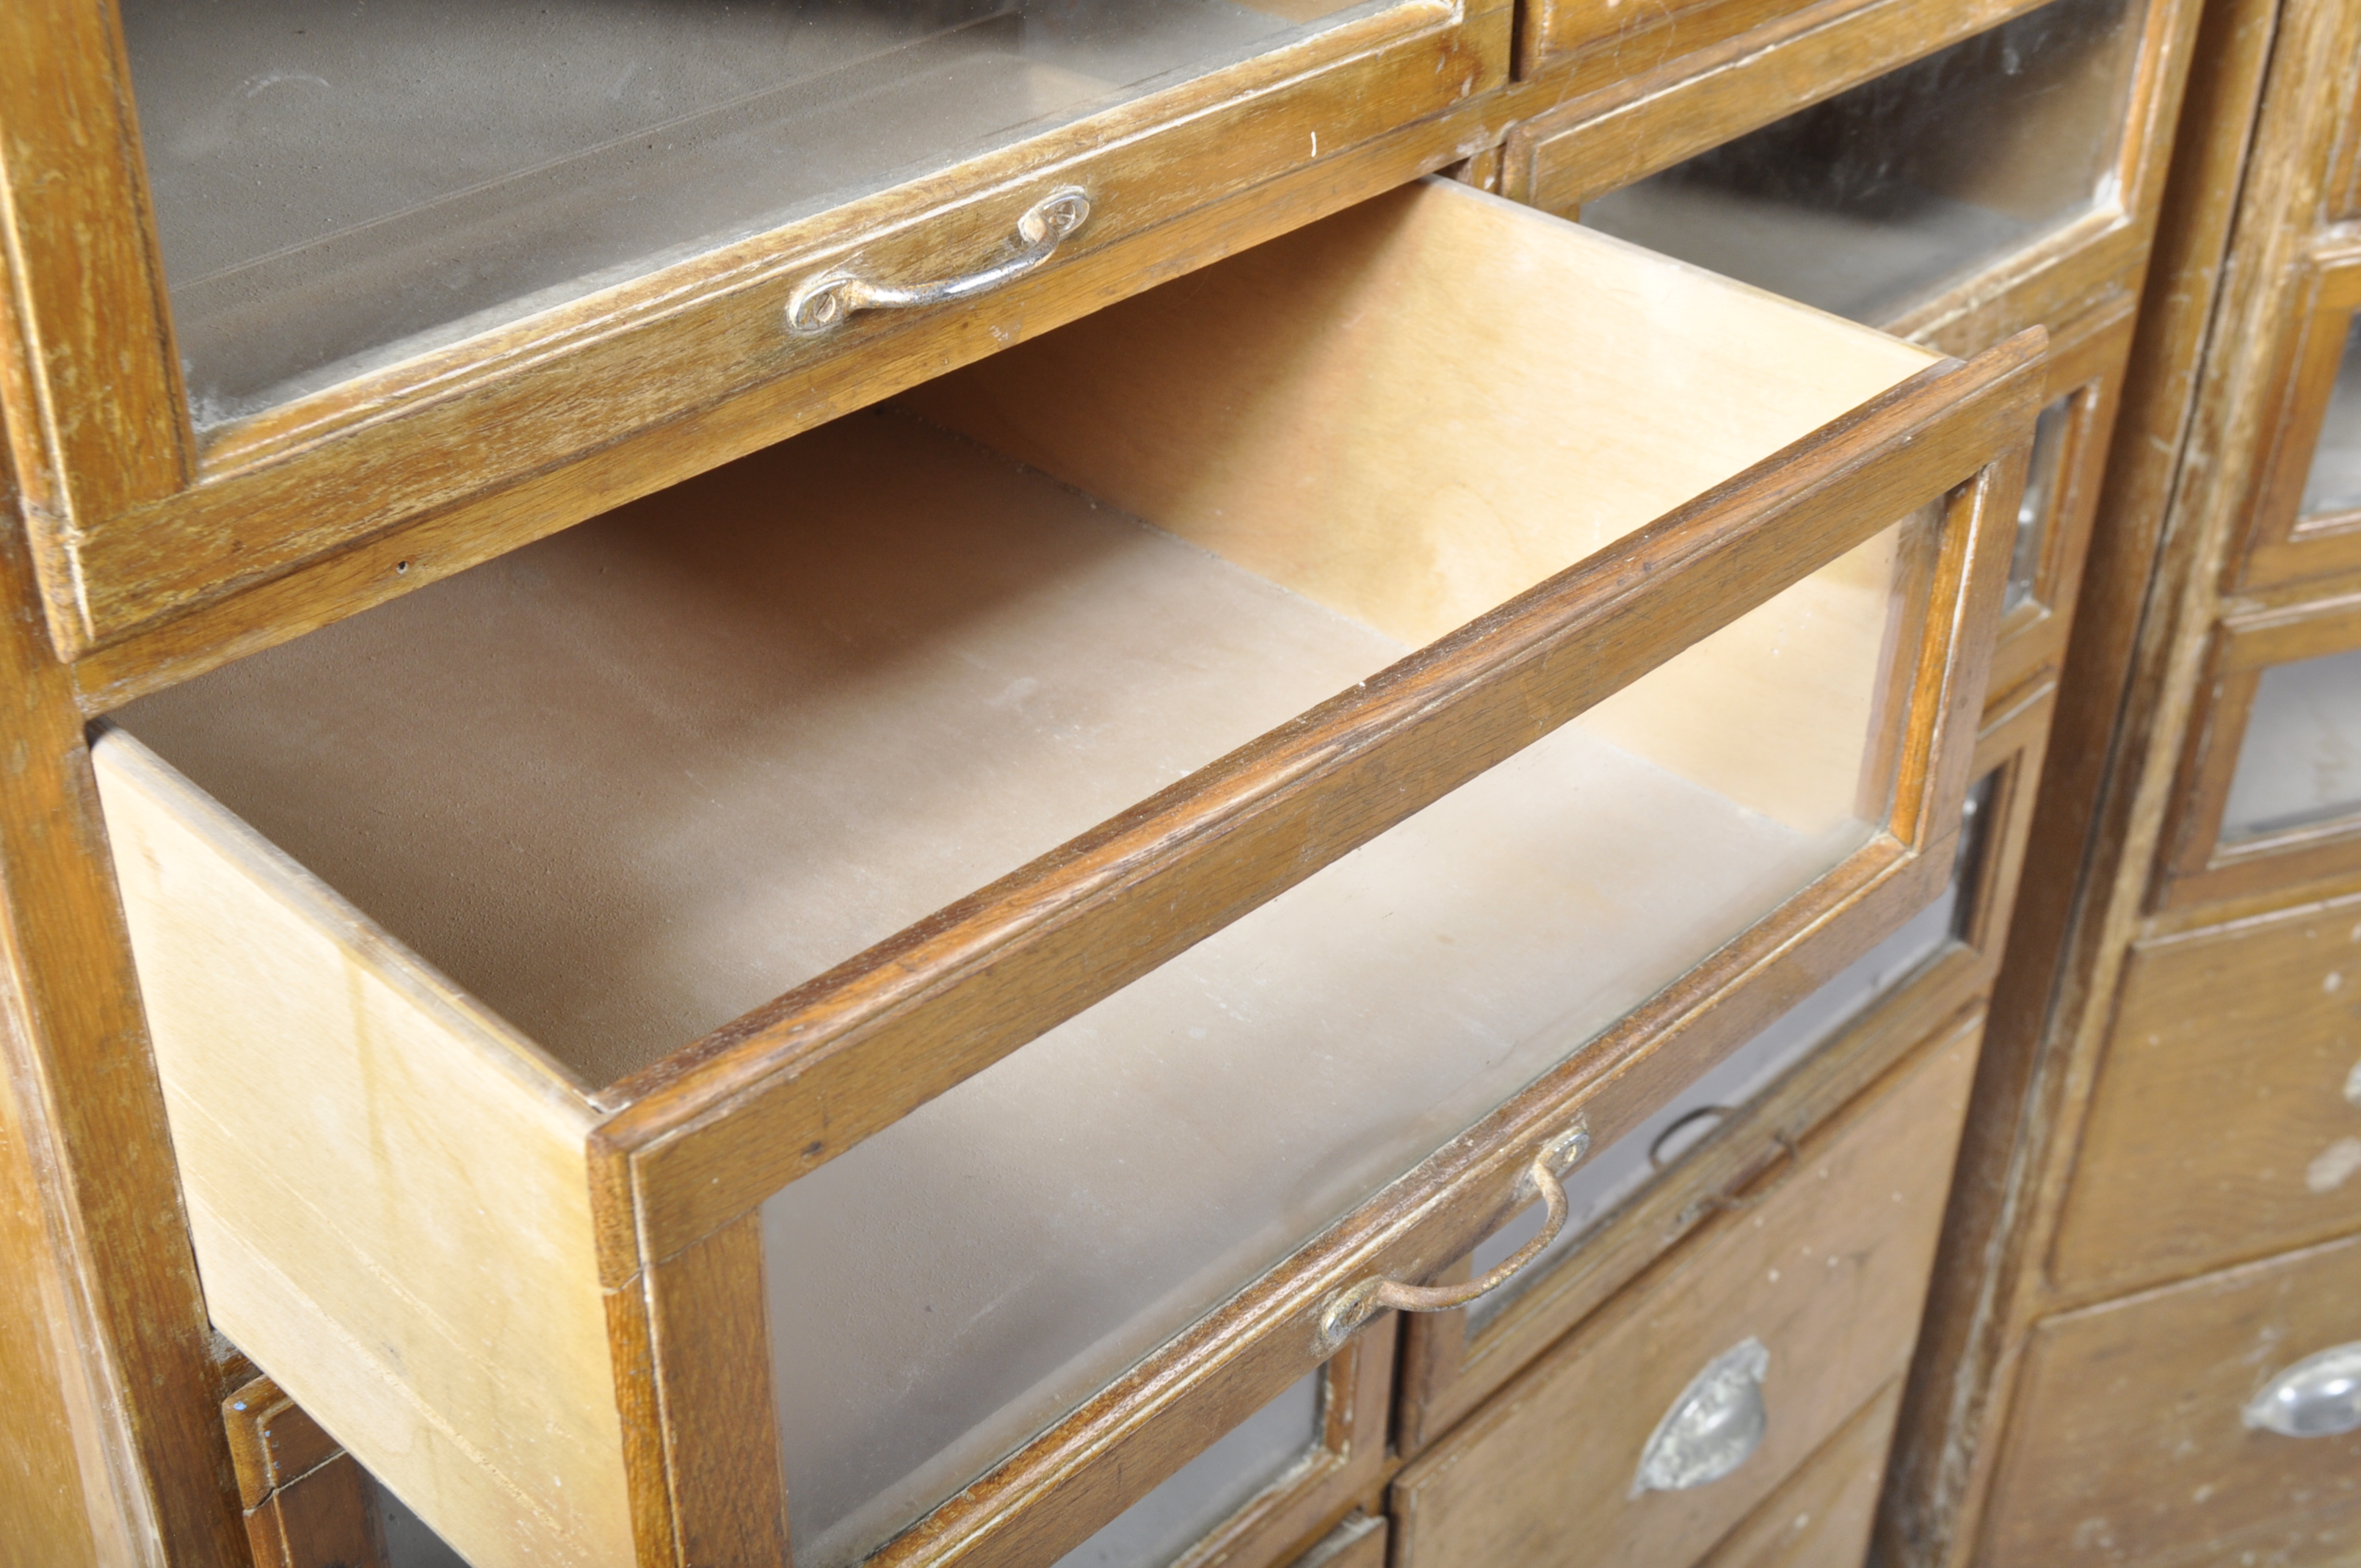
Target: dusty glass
<point>2333,482</point>
<point>1885,194</point>
<point>1611,1175</point>
<point>2300,762</point>
<point>339,187</point>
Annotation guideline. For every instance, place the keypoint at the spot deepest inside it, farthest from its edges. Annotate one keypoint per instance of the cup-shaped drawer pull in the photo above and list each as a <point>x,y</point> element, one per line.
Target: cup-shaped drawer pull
<point>823,302</point>
<point>1357,1304</point>
<point>2317,1397</point>
<point>1713,1427</point>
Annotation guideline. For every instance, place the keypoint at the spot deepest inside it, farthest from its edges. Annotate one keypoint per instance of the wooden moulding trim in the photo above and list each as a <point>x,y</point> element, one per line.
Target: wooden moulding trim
<point>106,417</point>
<point>716,1128</point>
<point>1629,128</point>
<point>440,429</point>
<point>1641,124</point>
<point>452,538</point>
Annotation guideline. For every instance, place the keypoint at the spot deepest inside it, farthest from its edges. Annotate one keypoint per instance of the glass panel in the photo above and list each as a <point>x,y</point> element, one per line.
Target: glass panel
<point>340,187</point>
<point>2300,759</point>
<point>2334,483</point>
<point>1884,195</point>
<point>970,1274</point>
<point>1601,1183</point>
<point>1212,1486</point>
<point>2042,478</point>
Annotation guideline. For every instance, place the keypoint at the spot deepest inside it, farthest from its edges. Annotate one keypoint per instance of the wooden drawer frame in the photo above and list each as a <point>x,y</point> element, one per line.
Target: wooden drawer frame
<point>1609,135</point>
<point>680,1157</point>
<point>134,521</point>
<point>2282,544</point>
<point>2196,867</point>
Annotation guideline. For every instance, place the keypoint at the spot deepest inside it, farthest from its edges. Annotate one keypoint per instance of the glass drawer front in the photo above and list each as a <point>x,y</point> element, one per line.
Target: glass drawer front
<point>961,1279</point>
<point>2332,484</point>
<point>1885,194</point>
<point>2299,761</point>
<point>340,187</point>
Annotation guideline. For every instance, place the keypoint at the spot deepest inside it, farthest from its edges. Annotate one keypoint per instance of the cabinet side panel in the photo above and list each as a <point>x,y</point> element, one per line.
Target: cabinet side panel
<point>389,1197</point>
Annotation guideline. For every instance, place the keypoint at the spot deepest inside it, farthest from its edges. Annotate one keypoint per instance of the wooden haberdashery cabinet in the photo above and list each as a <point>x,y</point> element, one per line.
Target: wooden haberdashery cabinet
<point>850,855</point>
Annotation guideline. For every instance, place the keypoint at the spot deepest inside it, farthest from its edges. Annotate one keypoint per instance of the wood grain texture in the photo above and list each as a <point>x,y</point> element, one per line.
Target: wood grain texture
<point>307,1501</point>
<point>724,1122</point>
<point>2126,1444</point>
<point>390,1213</point>
<point>1827,1272</point>
<point>2222,1102</point>
<point>127,1342</point>
<point>95,417</point>
<point>709,1334</point>
<point>1413,411</point>
<point>54,1482</point>
<point>1821,1518</point>
<point>450,428</point>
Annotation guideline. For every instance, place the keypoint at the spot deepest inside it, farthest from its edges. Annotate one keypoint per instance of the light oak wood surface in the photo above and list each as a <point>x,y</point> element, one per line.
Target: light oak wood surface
<point>397,1206</point>
<point>2226,1100</point>
<point>2128,1445</point>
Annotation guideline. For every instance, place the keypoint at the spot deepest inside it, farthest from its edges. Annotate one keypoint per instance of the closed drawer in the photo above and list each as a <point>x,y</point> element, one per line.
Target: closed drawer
<point>1664,1422</point>
<point>1948,172</point>
<point>1821,1518</point>
<point>405,230</point>
<point>2137,1433</point>
<point>1649,714</point>
<point>2227,1120</point>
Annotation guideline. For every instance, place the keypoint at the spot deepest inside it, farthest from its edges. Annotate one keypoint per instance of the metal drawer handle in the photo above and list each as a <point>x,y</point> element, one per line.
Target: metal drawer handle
<point>1357,1304</point>
<point>2317,1397</point>
<point>1713,1427</point>
<point>822,302</point>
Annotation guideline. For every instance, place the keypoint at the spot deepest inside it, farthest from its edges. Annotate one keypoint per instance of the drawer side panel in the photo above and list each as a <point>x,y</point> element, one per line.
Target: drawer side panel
<point>388,1193</point>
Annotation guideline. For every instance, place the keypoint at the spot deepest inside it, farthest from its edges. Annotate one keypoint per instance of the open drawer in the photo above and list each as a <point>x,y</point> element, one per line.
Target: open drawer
<point>1423,685</point>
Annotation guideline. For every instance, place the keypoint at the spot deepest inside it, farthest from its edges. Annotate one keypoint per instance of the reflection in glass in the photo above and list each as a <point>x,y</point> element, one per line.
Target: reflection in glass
<point>1601,1183</point>
<point>1881,196</point>
<point>1211,1487</point>
<point>2039,501</point>
<point>339,187</point>
<point>2300,759</point>
<point>2333,482</point>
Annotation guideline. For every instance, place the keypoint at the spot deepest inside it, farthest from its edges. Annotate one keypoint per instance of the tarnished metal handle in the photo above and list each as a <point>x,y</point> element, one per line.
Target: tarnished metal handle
<point>1713,1427</point>
<point>1357,1304</point>
<point>822,302</point>
<point>2317,1397</point>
